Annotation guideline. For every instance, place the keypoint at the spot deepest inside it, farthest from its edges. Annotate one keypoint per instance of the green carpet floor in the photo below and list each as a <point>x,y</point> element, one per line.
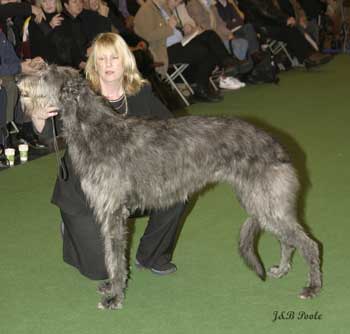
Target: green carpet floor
<point>212,292</point>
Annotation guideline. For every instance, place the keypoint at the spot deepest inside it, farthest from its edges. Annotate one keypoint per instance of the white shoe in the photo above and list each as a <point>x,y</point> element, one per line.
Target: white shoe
<point>236,81</point>
<point>230,83</point>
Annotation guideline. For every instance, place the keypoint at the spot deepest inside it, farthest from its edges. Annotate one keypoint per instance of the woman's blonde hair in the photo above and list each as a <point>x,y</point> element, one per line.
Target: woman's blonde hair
<point>132,79</point>
<point>58,5</point>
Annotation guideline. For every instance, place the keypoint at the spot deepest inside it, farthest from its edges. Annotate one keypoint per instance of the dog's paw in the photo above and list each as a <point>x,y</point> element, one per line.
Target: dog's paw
<point>104,288</point>
<point>278,272</point>
<point>111,303</point>
<point>309,292</point>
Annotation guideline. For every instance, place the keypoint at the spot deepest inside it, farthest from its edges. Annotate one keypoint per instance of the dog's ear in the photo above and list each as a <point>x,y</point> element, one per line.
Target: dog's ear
<point>68,71</point>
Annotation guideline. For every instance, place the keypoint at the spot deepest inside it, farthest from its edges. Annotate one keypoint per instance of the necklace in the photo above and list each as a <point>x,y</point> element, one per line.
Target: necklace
<point>119,103</point>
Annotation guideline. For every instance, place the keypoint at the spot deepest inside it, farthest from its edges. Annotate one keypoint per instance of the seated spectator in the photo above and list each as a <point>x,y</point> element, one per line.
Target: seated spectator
<point>206,16</point>
<point>136,44</point>
<point>234,20</point>
<point>39,34</point>
<point>124,10</point>
<point>11,65</point>
<point>273,23</point>
<point>73,36</point>
<point>156,23</point>
<point>208,38</point>
<point>307,15</point>
<point>309,27</point>
<point>23,9</point>
<point>12,16</point>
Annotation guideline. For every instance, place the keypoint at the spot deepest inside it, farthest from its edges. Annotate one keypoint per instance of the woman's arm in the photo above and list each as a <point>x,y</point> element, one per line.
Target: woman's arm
<point>40,120</point>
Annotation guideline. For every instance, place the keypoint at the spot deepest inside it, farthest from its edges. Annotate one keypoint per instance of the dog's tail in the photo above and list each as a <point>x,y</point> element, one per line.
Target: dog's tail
<point>249,231</point>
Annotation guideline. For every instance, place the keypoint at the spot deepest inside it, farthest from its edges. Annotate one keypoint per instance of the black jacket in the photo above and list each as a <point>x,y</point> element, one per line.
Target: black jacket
<point>15,9</point>
<point>71,39</point>
<point>40,38</point>
<point>68,195</point>
<point>262,13</point>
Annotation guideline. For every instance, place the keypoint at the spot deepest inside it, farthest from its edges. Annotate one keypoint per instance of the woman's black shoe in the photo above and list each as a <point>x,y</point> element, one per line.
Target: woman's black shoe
<point>317,59</point>
<point>202,95</point>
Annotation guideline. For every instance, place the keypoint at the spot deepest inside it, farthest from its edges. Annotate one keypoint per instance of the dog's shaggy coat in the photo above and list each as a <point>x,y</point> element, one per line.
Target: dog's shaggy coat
<point>128,163</point>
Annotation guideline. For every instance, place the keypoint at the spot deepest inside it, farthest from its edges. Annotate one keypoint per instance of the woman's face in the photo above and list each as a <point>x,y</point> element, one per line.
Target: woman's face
<point>93,4</point>
<point>109,67</point>
<point>74,7</point>
<point>49,6</point>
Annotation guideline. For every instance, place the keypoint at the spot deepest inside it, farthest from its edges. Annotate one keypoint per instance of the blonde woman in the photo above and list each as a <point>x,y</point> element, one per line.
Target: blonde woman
<point>112,72</point>
<point>39,34</point>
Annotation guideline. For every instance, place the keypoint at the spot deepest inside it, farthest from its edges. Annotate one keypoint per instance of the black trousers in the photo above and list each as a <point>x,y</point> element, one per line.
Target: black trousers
<point>83,244</point>
<point>295,40</point>
<point>203,53</point>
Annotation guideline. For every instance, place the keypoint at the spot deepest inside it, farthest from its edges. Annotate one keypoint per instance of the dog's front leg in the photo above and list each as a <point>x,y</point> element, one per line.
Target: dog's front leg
<point>113,230</point>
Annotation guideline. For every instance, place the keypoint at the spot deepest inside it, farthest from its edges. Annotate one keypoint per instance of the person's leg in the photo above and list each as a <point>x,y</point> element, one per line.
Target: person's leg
<point>239,47</point>
<point>83,245</point>
<point>248,32</point>
<point>314,30</point>
<point>211,41</point>
<point>158,241</point>
<point>199,58</point>
<point>12,96</point>
<point>296,42</point>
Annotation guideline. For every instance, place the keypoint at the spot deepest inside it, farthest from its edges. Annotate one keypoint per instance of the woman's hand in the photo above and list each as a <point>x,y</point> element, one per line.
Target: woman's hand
<point>39,118</point>
<point>231,36</point>
<point>31,66</point>
<point>44,114</point>
<point>38,13</point>
<point>188,29</point>
<point>172,22</point>
<point>103,9</point>
<point>56,21</point>
<point>141,45</point>
<point>291,21</point>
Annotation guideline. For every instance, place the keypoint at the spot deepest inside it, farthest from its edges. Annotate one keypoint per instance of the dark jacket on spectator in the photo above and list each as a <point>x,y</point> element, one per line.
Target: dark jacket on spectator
<point>9,62</point>
<point>40,38</point>
<point>71,39</point>
<point>15,9</point>
<point>262,13</point>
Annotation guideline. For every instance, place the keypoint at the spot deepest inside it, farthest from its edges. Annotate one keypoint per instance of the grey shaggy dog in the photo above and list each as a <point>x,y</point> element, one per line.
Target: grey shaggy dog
<point>129,163</point>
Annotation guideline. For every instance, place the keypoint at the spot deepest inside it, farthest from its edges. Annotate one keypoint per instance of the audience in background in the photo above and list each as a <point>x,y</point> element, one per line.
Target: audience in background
<point>233,17</point>
<point>270,21</point>
<point>206,16</point>
<point>39,34</point>
<point>159,33</point>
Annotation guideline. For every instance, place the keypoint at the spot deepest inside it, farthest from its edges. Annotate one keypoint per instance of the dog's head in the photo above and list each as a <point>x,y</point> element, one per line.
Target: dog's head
<point>45,88</point>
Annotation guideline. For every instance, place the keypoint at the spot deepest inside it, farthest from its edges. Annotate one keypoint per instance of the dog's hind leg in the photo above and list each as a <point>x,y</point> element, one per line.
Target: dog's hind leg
<point>283,268</point>
<point>113,229</point>
<point>249,231</point>
<point>294,236</point>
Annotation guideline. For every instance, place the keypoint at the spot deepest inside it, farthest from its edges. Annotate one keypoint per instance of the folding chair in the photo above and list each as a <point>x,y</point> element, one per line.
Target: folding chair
<point>13,129</point>
<point>275,47</point>
<point>217,73</point>
<point>175,71</point>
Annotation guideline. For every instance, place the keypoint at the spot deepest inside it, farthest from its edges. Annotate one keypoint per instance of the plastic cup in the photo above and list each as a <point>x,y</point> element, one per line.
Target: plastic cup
<point>10,156</point>
<point>23,152</point>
